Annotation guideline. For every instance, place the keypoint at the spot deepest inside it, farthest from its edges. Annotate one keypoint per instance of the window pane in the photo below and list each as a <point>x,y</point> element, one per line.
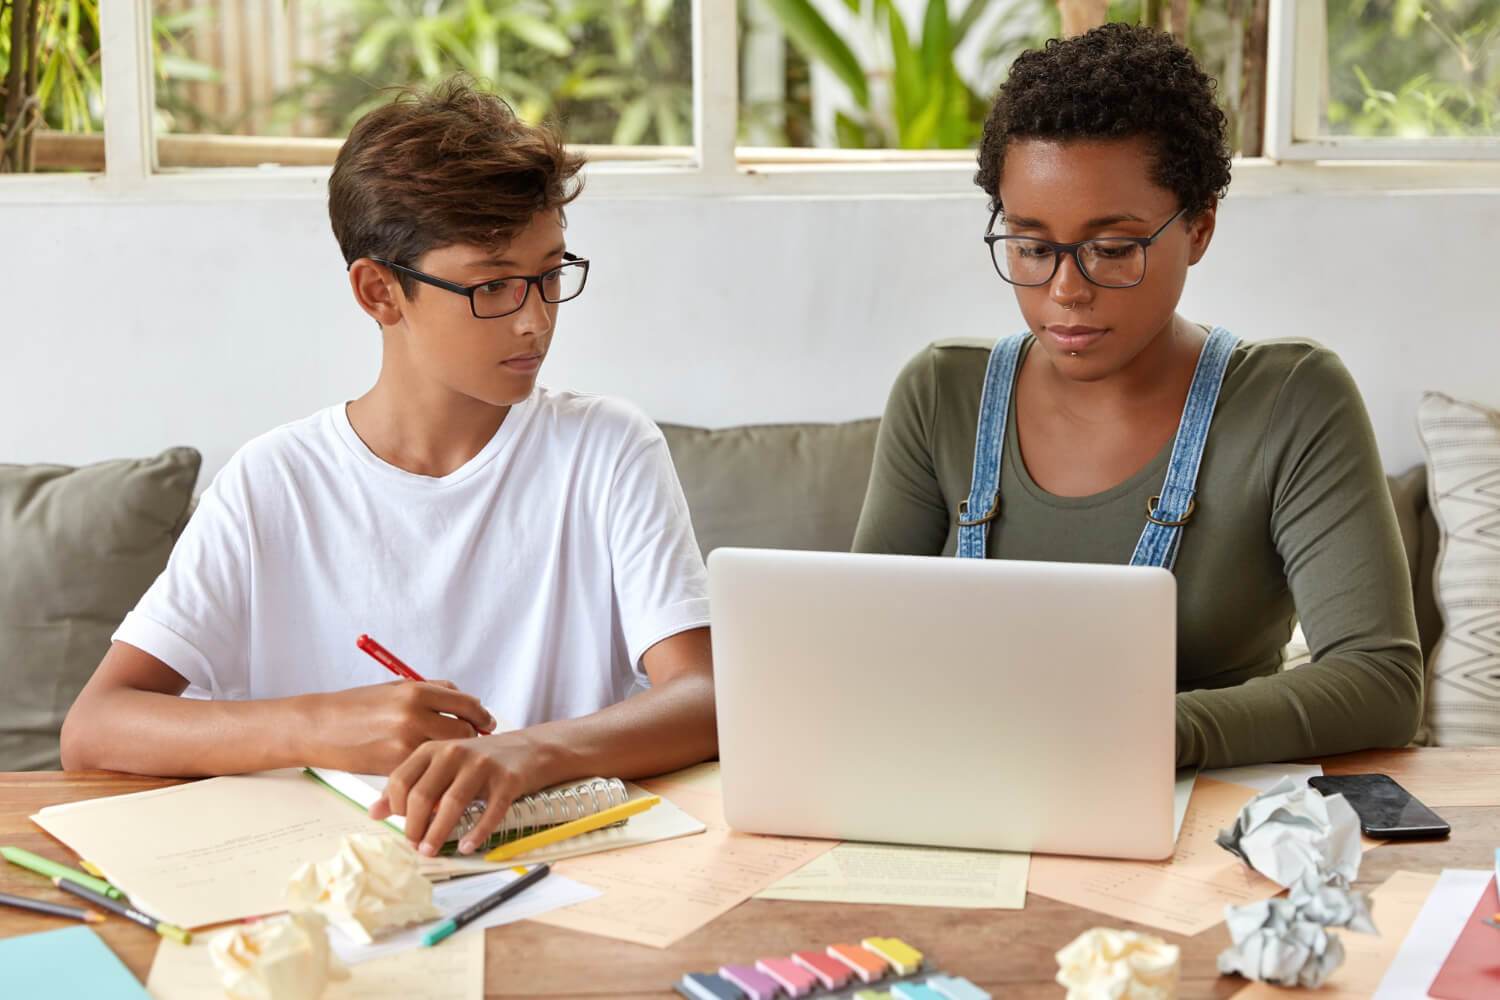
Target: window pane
<point>51,111</point>
<point>611,72</point>
<point>818,73</point>
<point>1407,69</point>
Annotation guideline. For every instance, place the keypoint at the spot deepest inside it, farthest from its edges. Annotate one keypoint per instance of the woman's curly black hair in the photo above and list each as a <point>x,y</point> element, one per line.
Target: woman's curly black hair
<point>1117,81</point>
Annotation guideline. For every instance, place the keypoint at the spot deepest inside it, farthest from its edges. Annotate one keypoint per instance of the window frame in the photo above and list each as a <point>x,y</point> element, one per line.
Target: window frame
<point>716,167</point>
<point>1297,63</point>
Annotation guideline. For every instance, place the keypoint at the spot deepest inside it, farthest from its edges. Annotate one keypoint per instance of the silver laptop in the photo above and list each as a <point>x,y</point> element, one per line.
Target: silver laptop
<point>982,703</point>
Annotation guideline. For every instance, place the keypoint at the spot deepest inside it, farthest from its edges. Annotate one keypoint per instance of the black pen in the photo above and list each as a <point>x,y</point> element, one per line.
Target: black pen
<point>102,901</point>
<point>483,906</point>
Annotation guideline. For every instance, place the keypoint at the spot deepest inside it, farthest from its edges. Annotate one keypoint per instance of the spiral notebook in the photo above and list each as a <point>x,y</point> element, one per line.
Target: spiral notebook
<point>539,810</point>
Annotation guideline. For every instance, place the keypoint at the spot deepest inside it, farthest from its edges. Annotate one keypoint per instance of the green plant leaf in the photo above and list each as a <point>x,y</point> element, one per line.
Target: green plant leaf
<point>966,21</point>
<point>937,44</point>
<point>656,11</point>
<point>909,87</point>
<point>634,121</point>
<point>425,45</point>
<point>921,131</point>
<point>536,32</point>
<point>175,67</point>
<point>811,35</point>
<point>851,134</point>
<point>669,127</point>
<point>369,51</point>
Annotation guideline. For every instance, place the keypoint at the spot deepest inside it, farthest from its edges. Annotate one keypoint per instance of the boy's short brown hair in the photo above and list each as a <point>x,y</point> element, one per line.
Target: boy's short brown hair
<point>452,165</point>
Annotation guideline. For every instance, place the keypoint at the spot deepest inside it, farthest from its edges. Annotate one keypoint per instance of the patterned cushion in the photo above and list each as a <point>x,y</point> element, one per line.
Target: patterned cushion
<point>1462,443</point>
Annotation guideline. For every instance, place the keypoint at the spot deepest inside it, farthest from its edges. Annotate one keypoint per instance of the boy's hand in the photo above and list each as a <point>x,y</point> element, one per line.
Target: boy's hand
<point>372,729</point>
<point>434,786</point>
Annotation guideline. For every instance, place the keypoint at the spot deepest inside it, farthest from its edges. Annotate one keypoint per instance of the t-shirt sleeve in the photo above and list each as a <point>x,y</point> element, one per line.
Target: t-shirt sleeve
<point>904,511</point>
<point>194,616</point>
<point>1334,526</point>
<point>660,584</point>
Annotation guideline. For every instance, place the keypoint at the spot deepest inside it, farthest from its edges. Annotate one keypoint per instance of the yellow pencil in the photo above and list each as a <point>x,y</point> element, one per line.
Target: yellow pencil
<point>571,829</point>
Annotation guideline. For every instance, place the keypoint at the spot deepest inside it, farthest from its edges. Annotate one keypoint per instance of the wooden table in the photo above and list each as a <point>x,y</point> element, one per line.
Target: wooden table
<point>1008,952</point>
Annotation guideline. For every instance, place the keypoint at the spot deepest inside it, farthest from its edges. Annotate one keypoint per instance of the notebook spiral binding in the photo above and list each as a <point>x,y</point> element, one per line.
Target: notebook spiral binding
<point>539,810</point>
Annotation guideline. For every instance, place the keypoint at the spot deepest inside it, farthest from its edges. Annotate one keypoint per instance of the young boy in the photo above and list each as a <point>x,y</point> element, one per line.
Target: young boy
<point>531,545</point>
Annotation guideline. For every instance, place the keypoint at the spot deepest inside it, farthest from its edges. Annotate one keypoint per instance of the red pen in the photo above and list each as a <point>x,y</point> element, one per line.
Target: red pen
<point>393,663</point>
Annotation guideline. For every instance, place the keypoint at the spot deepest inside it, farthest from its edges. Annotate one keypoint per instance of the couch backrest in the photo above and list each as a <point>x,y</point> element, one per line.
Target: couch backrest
<point>800,486</point>
<point>784,486</point>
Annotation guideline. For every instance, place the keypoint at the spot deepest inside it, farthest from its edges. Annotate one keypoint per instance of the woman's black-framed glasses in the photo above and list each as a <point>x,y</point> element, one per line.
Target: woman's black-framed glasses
<point>1109,262</point>
<point>503,296</point>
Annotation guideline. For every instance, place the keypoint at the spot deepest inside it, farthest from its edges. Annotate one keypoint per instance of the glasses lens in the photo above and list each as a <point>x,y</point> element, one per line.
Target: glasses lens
<point>562,283</point>
<point>1113,263</point>
<point>504,296</point>
<point>1022,261</point>
<point>499,297</point>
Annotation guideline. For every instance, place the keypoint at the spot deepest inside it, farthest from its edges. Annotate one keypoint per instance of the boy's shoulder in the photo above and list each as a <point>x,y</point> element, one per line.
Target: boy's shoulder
<point>297,441</point>
<point>590,415</point>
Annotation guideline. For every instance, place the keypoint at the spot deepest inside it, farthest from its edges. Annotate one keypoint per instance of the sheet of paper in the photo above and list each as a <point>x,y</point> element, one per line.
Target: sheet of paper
<point>454,970</point>
<point>1182,793</point>
<point>660,893</point>
<point>209,851</point>
<point>1395,905</point>
<point>909,876</point>
<point>1185,894</point>
<point>1432,934</point>
<point>69,962</point>
<point>1472,969</point>
<point>551,893</point>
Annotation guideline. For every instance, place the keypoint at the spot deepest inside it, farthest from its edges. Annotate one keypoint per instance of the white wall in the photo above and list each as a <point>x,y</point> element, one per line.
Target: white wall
<point>129,327</point>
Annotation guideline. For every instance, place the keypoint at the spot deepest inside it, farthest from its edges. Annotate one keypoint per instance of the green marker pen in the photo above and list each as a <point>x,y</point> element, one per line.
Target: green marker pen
<point>483,906</point>
<point>52,869</point>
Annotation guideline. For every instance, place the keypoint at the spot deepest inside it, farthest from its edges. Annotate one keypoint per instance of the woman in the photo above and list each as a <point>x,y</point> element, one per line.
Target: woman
<point>1261,488</point>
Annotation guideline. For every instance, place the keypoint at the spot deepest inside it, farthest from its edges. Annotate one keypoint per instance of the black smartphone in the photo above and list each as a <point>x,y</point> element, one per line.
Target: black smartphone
<point>1386,810</point>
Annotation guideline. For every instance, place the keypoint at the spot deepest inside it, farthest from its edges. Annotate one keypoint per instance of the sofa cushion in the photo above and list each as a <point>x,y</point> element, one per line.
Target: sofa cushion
<point>1462,443</point>
<point>79,547</point>
<point>1419,536</point>
<point>787,486</point>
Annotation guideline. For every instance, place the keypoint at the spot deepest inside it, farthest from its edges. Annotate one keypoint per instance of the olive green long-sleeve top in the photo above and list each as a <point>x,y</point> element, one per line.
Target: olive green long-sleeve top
<point>1293,518</point>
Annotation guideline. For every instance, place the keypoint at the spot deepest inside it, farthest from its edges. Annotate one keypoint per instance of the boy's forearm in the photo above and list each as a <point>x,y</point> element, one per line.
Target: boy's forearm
<point>144,732</point>
<point>656,731</point>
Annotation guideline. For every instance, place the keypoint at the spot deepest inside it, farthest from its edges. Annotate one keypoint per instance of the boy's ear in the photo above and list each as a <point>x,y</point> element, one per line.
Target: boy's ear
<point>376,291</point>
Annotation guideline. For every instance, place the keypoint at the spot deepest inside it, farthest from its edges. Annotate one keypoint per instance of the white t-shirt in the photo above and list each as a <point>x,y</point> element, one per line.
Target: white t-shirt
<point>533,577</point>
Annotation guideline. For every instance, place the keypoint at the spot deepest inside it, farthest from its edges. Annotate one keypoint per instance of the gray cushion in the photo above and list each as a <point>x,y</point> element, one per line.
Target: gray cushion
<point>79,546</point>
<point>787,486</point>
<point>1419,535</point>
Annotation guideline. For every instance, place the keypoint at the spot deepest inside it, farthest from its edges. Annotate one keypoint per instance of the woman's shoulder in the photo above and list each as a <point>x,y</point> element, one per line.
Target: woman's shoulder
<point>1290,370</point>
<point>950,362</point>
<point>1284,355</point>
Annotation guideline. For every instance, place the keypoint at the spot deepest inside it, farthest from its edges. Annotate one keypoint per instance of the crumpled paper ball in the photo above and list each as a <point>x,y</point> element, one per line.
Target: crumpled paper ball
<point>1105,964</point>
<point>1298,838</point>
<point>1285,942</point>
<point>371,885</point>
<point>279,958</point>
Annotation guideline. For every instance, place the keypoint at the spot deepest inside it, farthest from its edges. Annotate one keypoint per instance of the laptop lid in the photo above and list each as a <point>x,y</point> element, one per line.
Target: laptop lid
<point>978,703</point>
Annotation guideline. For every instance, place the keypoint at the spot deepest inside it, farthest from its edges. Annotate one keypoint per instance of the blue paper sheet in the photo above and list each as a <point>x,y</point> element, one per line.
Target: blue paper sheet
<point>72,962</point>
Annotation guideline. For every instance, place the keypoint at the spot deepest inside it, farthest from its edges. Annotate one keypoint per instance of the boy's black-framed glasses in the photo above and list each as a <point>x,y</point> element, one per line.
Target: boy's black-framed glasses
<point>503,296</point>
<point>1109,262</point>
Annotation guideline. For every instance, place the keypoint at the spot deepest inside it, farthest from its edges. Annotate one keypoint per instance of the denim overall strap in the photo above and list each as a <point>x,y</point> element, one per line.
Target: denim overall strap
<point>1168,512</point>
<point>983,505</point>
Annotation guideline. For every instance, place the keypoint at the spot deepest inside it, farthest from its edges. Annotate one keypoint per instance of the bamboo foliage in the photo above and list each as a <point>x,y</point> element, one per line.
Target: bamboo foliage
<point>22,106</point>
